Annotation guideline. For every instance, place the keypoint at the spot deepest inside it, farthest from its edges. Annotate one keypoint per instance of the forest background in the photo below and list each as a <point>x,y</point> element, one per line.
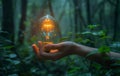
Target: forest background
<point>94,23</point>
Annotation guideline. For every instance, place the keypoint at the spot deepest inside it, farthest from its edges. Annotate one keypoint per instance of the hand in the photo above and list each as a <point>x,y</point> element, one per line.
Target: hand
<point>57,51</point>
<point>54,51</point>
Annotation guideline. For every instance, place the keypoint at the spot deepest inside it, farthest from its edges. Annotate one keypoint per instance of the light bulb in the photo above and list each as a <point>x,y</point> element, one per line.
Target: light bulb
<point>49,30</point>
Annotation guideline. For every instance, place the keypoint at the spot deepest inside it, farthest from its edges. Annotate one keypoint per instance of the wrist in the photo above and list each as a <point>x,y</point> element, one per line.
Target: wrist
<point>79,50</point>
<point>83,50</point>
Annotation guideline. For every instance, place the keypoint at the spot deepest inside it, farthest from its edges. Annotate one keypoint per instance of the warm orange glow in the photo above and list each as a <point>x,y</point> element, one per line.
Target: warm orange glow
<point>47,37</point>
<point>54,51</point>
<point>48,28</point>
<point>44,43</point>
<point>47,25</point>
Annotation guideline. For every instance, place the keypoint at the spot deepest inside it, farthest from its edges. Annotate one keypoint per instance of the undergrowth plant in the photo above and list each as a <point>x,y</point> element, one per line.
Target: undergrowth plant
<point>94,37</point>
<point>22,61</point>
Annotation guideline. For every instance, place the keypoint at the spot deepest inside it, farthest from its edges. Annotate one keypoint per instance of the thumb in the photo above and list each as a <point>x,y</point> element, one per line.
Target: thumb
<point>35,49</point>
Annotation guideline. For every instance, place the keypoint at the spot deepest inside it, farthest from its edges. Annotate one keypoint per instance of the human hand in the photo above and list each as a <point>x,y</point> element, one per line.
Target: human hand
<point>54,51</point>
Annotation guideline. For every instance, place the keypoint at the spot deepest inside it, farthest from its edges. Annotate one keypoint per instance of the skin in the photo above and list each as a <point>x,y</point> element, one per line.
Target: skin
<point>60,50</point>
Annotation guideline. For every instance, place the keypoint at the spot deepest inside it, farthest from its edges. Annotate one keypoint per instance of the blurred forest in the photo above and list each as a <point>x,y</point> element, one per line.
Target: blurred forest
<point>94,23</point>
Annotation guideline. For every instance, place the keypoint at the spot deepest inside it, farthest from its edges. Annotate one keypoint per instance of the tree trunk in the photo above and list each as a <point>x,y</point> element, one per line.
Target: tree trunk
<point>76,14</point>
<point>22,21</point>
<point>50,8</point>
<point>8,19</point>
<point>88,11</point>
<point>116,17</point>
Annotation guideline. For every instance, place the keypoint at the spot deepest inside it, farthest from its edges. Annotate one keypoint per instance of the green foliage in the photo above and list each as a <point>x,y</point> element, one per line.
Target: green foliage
<point>95,38</point>
<point>22,61</point>
<point>92,27</point>
<point>104,49</point>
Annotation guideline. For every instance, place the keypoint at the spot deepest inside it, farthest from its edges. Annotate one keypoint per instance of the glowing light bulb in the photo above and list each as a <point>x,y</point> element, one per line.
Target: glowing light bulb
<point>49,30</point>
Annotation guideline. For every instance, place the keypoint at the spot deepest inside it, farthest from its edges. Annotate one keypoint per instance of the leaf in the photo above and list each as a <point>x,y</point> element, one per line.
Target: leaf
<point>85,41</point>
<point>78,40</point>
<point>13,75</point>
<point>33,70</point>
<point>95,33</point>
<point>12,55</point>
<point>92,26</point>
<point>97,66</point>
<point>73,70</point>
<point>104,49</point>
<point>86,32</point>
<point>15,62</point>
<point>7,47</point>
<point>102,33</point>
<point>70,33</point>
<point>63,39</point>
<point>33,38</point>
<point>92,52</point>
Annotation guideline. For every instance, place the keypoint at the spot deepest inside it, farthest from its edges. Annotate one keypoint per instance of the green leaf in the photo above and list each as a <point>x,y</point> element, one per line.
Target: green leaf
<point>104,49</point>
<point>102,33</point>
<point>92,52</point>
<point>95,33</point>
<point>15,62</point>
<point>13,75</point>
<point>86,32</point>
<point>78,40</point>
<point>73,70</point>
<point>63,39</point>
<point>86,41</point>
<point>12,55</point>
<point>70,33</point>
<point>97,66</point>
<point>33,38</point>
<point>92,26</point>
<point>7,47</point>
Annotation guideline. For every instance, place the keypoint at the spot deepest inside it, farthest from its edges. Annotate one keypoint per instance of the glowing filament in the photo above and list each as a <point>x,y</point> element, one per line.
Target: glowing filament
<point>47,25</point>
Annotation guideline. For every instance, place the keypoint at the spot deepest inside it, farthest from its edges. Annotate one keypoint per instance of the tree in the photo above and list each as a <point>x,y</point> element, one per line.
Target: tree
<point>116,18</point>
<point>22,21</point>
<point>88,11</point>
<point>8,19</point>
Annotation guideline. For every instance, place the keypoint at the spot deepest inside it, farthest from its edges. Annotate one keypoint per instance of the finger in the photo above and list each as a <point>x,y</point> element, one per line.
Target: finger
<point>54,51</point>
<point>52,46</point>
<point>36,49</point>
<point>40,44</point>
